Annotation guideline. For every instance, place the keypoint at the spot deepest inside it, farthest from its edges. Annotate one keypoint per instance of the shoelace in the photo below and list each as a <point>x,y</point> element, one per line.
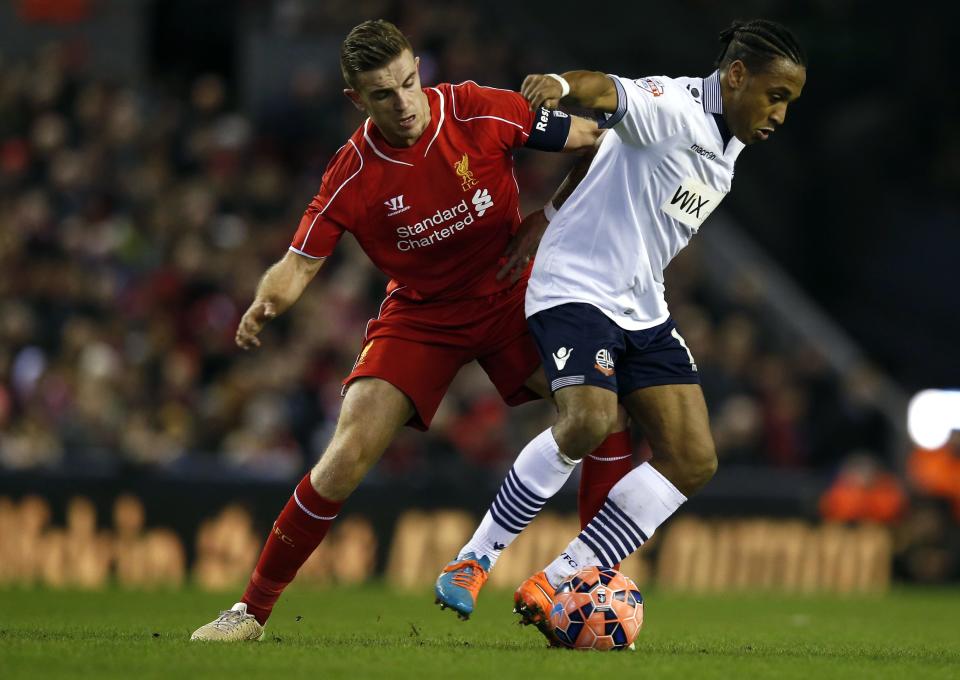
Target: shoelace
<point>228,618</point>
<point>470,575</point>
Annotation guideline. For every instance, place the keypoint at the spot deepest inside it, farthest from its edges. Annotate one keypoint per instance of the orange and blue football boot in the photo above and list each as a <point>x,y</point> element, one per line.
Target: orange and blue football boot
<point>533,601</point>
<point>459,584</point>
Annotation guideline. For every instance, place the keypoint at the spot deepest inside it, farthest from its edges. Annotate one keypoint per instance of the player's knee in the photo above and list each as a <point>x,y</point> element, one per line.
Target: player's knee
<point>341,468</point>
<point>579,431</point>
<point>699,463</point>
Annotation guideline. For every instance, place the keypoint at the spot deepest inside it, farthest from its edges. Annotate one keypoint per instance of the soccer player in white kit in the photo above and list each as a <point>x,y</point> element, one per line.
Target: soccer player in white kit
<point>595,300</point>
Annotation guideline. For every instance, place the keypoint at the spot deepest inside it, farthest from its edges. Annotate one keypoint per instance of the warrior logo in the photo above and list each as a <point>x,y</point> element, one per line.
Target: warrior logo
<point>395,206</point>
<point>463,172</point>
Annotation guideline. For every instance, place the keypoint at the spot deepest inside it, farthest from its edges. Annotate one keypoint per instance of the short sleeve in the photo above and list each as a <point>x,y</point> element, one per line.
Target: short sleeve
<point>331,212</point>
<point>505,113</point>
<point>646,110</point>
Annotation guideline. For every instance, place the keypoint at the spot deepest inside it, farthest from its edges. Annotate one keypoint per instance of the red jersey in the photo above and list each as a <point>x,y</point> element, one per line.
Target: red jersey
<point>436,217</point>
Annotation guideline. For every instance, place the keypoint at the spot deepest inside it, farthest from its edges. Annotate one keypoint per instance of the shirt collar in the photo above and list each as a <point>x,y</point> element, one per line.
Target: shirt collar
<point>712,97</point>
<point>410,153</point>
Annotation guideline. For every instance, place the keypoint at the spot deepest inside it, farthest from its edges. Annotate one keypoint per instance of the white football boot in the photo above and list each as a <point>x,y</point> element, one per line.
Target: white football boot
<point>233,625</point>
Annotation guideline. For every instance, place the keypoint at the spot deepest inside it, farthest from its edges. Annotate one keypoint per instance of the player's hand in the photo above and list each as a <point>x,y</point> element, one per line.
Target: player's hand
<point>540,90</point>
<point>253,322</point>
<point>523,246</point>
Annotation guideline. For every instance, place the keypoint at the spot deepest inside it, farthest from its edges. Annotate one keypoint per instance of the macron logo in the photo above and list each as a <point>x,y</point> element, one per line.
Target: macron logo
<point>482,201</point>
<point>561,356</point>
<point>395,206</point>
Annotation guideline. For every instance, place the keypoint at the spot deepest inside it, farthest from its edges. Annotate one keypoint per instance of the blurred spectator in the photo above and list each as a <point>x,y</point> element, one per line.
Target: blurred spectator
<point>936,473</point>
<point>864,492</point>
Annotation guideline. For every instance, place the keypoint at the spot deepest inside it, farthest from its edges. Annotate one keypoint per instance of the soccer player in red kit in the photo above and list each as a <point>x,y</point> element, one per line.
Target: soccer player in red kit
<point>426,186</point>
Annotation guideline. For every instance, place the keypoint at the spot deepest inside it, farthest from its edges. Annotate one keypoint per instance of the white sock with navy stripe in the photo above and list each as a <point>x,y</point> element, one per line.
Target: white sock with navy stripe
<point>635,507</point>
<point>538,473</point>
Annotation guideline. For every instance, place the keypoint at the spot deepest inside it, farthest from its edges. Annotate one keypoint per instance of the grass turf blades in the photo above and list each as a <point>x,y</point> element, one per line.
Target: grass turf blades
<point>374,632</point>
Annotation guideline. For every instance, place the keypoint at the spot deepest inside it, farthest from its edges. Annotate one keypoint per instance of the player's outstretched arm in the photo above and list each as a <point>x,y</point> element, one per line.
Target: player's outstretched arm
<point>589,89</point>
<point>279,288</point>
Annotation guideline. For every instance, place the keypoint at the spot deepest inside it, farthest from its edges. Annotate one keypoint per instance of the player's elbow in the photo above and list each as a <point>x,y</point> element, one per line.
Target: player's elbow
<point>302,265</point>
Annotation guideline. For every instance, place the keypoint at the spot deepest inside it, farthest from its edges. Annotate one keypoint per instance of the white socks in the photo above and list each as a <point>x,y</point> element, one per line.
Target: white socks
<point>635,507</point>
<point>538,473</point>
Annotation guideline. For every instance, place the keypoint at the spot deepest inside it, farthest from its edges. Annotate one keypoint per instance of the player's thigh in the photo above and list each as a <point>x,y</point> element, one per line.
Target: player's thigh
<point>675,421</point>
<point>660,387</point>
<point>505,349</point>
<point>670,415</point>
<point>373,412</point>
<point>418,368</point>
<point>515,371</point>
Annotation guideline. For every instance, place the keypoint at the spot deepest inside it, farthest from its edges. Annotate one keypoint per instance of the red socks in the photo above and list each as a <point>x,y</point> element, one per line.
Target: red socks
<point>600,471</point>
<point>296,534</point>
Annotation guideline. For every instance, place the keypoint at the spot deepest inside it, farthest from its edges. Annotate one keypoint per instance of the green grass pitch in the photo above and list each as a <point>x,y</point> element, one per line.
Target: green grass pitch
<point>373,632</point>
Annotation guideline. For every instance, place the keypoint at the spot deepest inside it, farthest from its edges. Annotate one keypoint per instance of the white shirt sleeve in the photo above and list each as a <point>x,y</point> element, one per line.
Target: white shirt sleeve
<point>646,110</point>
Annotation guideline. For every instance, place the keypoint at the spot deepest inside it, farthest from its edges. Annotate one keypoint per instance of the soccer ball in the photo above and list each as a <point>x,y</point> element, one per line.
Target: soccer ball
<point>597,608</point>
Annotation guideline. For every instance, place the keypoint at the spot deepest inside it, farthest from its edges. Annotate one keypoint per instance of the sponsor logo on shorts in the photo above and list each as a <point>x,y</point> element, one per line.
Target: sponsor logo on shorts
<point>560,357</point>
<point>604,362</point>
<point>363,354</point>
<point>462,168</point>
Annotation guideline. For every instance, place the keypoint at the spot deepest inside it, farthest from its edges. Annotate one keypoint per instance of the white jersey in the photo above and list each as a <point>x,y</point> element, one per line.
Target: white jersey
<point>658,174</point>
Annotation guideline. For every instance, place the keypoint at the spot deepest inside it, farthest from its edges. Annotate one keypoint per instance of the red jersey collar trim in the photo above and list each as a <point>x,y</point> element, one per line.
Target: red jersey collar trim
<point>393,154</point>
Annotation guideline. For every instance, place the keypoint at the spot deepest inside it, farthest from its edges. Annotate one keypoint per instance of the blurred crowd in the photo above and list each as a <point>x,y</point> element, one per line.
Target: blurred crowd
<point>136,220</point>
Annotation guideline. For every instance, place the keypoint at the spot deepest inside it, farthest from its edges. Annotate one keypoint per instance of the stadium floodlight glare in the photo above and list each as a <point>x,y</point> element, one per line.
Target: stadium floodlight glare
<point>932,416</point>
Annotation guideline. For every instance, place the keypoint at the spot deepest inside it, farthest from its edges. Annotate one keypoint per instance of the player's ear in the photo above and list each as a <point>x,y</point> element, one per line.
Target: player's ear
<point>736,74</point>
<point>354,98</point>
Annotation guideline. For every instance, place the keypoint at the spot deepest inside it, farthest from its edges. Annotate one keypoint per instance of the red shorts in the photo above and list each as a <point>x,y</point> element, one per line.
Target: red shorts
<point>418,347</point>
